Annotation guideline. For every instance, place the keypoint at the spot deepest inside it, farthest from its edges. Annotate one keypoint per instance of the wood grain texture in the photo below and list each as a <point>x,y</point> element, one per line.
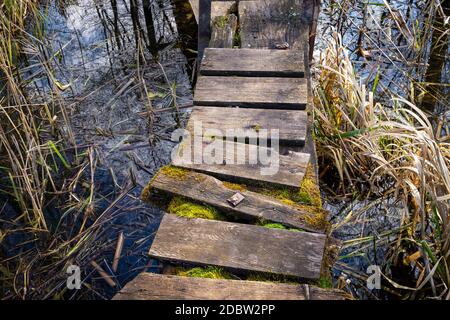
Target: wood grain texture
<point>151,286</point>
<point>223,30</point>
<point>266,23</point>
<point>253,63</point>
<point>242,162</point>
<point>239,247</point>
<point>243,122</point>
<point>250,92</point>
<point>218,8</point>
<point>211,191</point>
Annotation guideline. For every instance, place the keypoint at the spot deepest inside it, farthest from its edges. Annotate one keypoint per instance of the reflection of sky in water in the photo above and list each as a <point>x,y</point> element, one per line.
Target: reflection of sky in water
<point>382,30</point>
<point>81,35</point>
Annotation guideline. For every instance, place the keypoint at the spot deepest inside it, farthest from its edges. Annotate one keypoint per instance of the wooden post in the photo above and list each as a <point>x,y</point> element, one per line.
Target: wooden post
<point>313,28</point>
<point>204,27</point>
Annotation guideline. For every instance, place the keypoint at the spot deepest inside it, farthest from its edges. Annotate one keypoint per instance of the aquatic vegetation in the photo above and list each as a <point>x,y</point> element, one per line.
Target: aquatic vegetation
<point>381,148</point>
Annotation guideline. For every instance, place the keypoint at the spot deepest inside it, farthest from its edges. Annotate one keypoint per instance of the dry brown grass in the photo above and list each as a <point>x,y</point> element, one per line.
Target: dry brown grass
<point>392,149</point>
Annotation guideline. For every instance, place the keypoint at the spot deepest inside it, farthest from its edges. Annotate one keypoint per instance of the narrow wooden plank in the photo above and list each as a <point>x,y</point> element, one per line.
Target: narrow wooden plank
<point>239,247</point>
<point>273,93</point>
<point>268,23</point>
<point>241,123</point>
<point>218,8</point>
<point>253,63</point>
<point>151,286</point>
<point>242,162</point>
<point>211,191</point>
<point>204,26</point>
<point>223,31</point>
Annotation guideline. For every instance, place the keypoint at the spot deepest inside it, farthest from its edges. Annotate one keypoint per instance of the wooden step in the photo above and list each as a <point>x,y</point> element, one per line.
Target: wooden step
<point>239,247</point>
<point>151,286</point>
<point>253,63</point>
<point>240,124</point>
<point>251,92</point>
<point>242,162</point>
<point>208,190</point>
<point>268,23</point>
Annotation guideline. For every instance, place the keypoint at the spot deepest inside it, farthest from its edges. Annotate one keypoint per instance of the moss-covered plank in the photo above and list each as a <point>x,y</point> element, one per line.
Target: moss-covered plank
<point>239,247</point>
<point>150,286</point>
<point>213,192</point>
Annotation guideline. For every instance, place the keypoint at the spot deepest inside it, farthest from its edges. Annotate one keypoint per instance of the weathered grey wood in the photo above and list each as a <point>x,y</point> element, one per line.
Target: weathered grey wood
<point>240,123</point>
<point>211,191</point>
<point>239,247</point>
<point>266,23</point>
<point>223,31</point>
<point>253,63</point>
<point>218,8</point>
<point>151,286</point>
<point>204,26</point>
<point>263,24</point>
<point>274,93</point>
<point>242,162</point>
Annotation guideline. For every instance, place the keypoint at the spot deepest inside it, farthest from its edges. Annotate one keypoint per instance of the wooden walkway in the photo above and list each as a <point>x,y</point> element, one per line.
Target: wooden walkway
<point>263,85</point>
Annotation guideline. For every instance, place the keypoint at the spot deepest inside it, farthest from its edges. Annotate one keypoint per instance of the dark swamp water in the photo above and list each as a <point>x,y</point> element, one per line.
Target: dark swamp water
<point>110,90</point>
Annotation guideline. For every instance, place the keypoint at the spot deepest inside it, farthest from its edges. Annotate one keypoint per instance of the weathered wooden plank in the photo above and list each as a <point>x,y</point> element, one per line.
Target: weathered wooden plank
<point>239,247</point>
<point>218,8</point>
<point>253,63</point>
<point>241,123</point>
<point>263,25</point>
<point>151,286</point>
<point>223,30</point>
<point>204,26</point>
<point>273,93</point>
<point>268,23</point>
<point>241,162</point>
<point>211,191</point>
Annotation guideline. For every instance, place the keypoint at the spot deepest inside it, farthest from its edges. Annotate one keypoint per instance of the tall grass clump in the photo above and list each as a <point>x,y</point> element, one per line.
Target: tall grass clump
<point>377,149</point>
<point>48,219</point>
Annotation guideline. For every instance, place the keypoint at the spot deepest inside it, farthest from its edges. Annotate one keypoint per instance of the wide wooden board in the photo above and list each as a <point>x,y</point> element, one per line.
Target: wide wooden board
<point>251,92</point>
<point>211,191</point>
<point>268,23</point>
<point>218,8</point>
<point>241,162</point>
<point>151,286</point>
<point>238,247</point>
<point>253,63</point>
<point>240,123</point>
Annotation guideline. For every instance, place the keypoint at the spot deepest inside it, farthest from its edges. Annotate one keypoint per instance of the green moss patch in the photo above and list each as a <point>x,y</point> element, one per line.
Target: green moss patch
<point>184,208</point>
<point>325,282</point>
<point>308,192</point>
<point>207,272</point>
<point>269,277</point>
<point>235,186</point>
<point>174,172</point>
<point>274,225</point>
<point>171,171</point>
